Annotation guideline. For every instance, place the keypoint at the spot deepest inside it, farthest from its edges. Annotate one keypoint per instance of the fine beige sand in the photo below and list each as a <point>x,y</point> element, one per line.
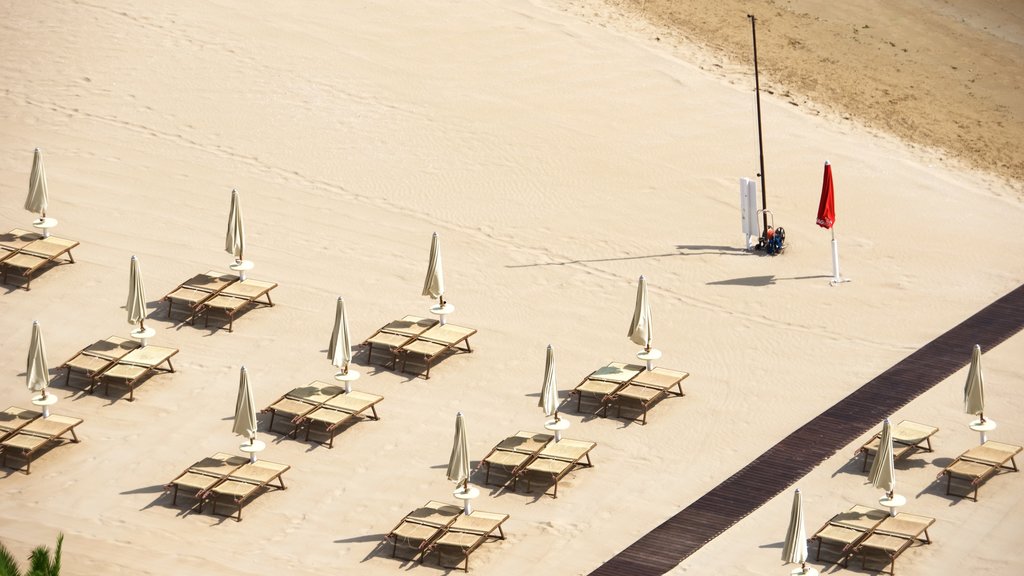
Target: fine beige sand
<point>560,151</point>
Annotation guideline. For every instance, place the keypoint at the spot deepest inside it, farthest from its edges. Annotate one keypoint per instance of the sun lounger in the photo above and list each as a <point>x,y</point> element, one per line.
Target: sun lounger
<point>395,334</point>
<point>604,382</point>
<point>893,536</point>
<point>465,535</point>
<point>96,358</point>
<point>15,240</point>
<point>338,410</point>
<point>847,530</point>
<point>33,256</point>
<point>37,435</point>
<point>558,459</point>
<point>435,342</point>
<point>907,438</point>
<point>245,482</point>
<point>512,454</point>
<point>136,366</point>
<point>203,475</point>
<point>648,388</point>
<point>422,526</point>
<point>979,464</point>
<point>300,401</point>
<point>198,289</point>
<point>236,298</point>
<point>14,419</point>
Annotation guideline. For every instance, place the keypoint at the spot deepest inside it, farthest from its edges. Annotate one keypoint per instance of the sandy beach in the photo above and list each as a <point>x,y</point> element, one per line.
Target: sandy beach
<point>560,150</point>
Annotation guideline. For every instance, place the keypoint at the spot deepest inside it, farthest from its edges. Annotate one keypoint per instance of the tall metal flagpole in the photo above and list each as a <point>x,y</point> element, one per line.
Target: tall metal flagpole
<point>760,141</point>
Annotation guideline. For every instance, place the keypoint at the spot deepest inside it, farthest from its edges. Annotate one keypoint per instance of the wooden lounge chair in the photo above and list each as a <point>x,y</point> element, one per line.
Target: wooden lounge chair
<point>979,464</point>
<point>422,526</point>
<point>847,530</point>
<point>300,401</point>
<point>894,536</point>
<point>14,419</point>
<point>35,255</point>
<point>648,388</point>
<point>203,475</point>
<point>395,334</point>
<point>338,410</point>
<point>236,298</point>
<point>246,482</point>
<point>435,342</point>
<point>96,358</point>
<point>37,435</point>
<point>604,382</point>
<point>15,240</point>
<point>135,367</point>
<point>465,535</point>
<point>512,454</point>
<point>198,289</point>
<point>907,438</point>
<point>558,459</point>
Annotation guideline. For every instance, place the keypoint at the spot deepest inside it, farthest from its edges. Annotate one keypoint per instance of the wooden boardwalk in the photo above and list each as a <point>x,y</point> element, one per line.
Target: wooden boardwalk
<point>780,466</point>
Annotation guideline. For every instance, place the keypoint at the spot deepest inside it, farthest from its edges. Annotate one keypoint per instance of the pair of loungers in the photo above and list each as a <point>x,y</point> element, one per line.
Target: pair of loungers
<point>629,385</point>
<point>227,479</point>
<point>529,455</point>
<point>24,433</point>
<point>118,361</point>
<point>871,534</point>
<point>25,253</point>
<point>418,339</point>
<point>325,407</point>
<point>224,294</point>
<point>907,438</point>
<point>445,530</point>
<point>978,464</point>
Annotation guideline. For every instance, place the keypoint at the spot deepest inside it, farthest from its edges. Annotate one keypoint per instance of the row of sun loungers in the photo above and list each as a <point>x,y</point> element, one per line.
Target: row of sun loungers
<point>528,455</point>
<point>24,433</point>
<point>323,409</point>
<point>871,533</point>
<point>25,253</point>
<point>420,340</point>
<point>223,478</point>
<point>445,530</point>
<point>117,361</point>
<point>224,294</point>
<point>619,384</point>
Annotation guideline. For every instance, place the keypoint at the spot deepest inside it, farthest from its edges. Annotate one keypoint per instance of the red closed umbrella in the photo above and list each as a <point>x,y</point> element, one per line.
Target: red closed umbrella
<point>827,205</point>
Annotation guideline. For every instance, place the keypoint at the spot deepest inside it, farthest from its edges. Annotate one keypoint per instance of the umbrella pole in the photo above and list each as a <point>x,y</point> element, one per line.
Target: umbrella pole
<point>760,140</point>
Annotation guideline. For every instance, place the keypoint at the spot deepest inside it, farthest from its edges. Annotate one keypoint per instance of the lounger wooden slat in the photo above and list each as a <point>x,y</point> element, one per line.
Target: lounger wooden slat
<point>35,255</point>
<point>395,334</point>
<point>434,343</point>
<point>648,388</point>
<point>894,536</point>
<point>979,464</point>
<point>37,435</point>
<point>203,475</point>
<point>419,528</point>
<point>556,460</point>
<point>604,382</point>
<point>466,534</point>
<point>246,482</point>
<point>236,298</point>
<point>197,290</point>
<point>13,241</point>
<point>847,530</point>
<point>512,454</point>
<point>96,358</point>
<point>338,410</point>
<point>13,419</point>
<point>136,366</point>
<point>907,438</point>
<point>298,402</point>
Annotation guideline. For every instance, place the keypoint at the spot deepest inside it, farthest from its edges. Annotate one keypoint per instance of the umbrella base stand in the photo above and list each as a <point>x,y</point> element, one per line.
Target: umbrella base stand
<point>467,497</point>
<point>801,572</point>
<point>557,426</point>
<point>242,267</point>
<point>892,503</point>
<point>348,378</point>
<point>45,224</point>
<point>649,356</point>
<point>983,428</point>
<point>836,278</point>
<point>45,403</point>
<point>442,311</point>
<point>143,335</point>
<point>253,448</point>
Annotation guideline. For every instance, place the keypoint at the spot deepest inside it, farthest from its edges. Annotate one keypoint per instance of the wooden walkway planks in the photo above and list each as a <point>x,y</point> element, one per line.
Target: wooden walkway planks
<point>780,466</point>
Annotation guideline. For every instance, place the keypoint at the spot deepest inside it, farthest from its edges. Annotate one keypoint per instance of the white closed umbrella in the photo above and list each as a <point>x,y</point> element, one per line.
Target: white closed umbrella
<point>549,390</point>
<point>974,389</point>
<point>37,199</point>
<point>234,240</point>
<point>883,470</point>
<point>339,352</point>
<point>640,328</point>
<point>136,296</point>
<point>37,373</point>
<point>245,416</point>
<point>794,548</point>
<point>458,462</point>
<point>433,284</point>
